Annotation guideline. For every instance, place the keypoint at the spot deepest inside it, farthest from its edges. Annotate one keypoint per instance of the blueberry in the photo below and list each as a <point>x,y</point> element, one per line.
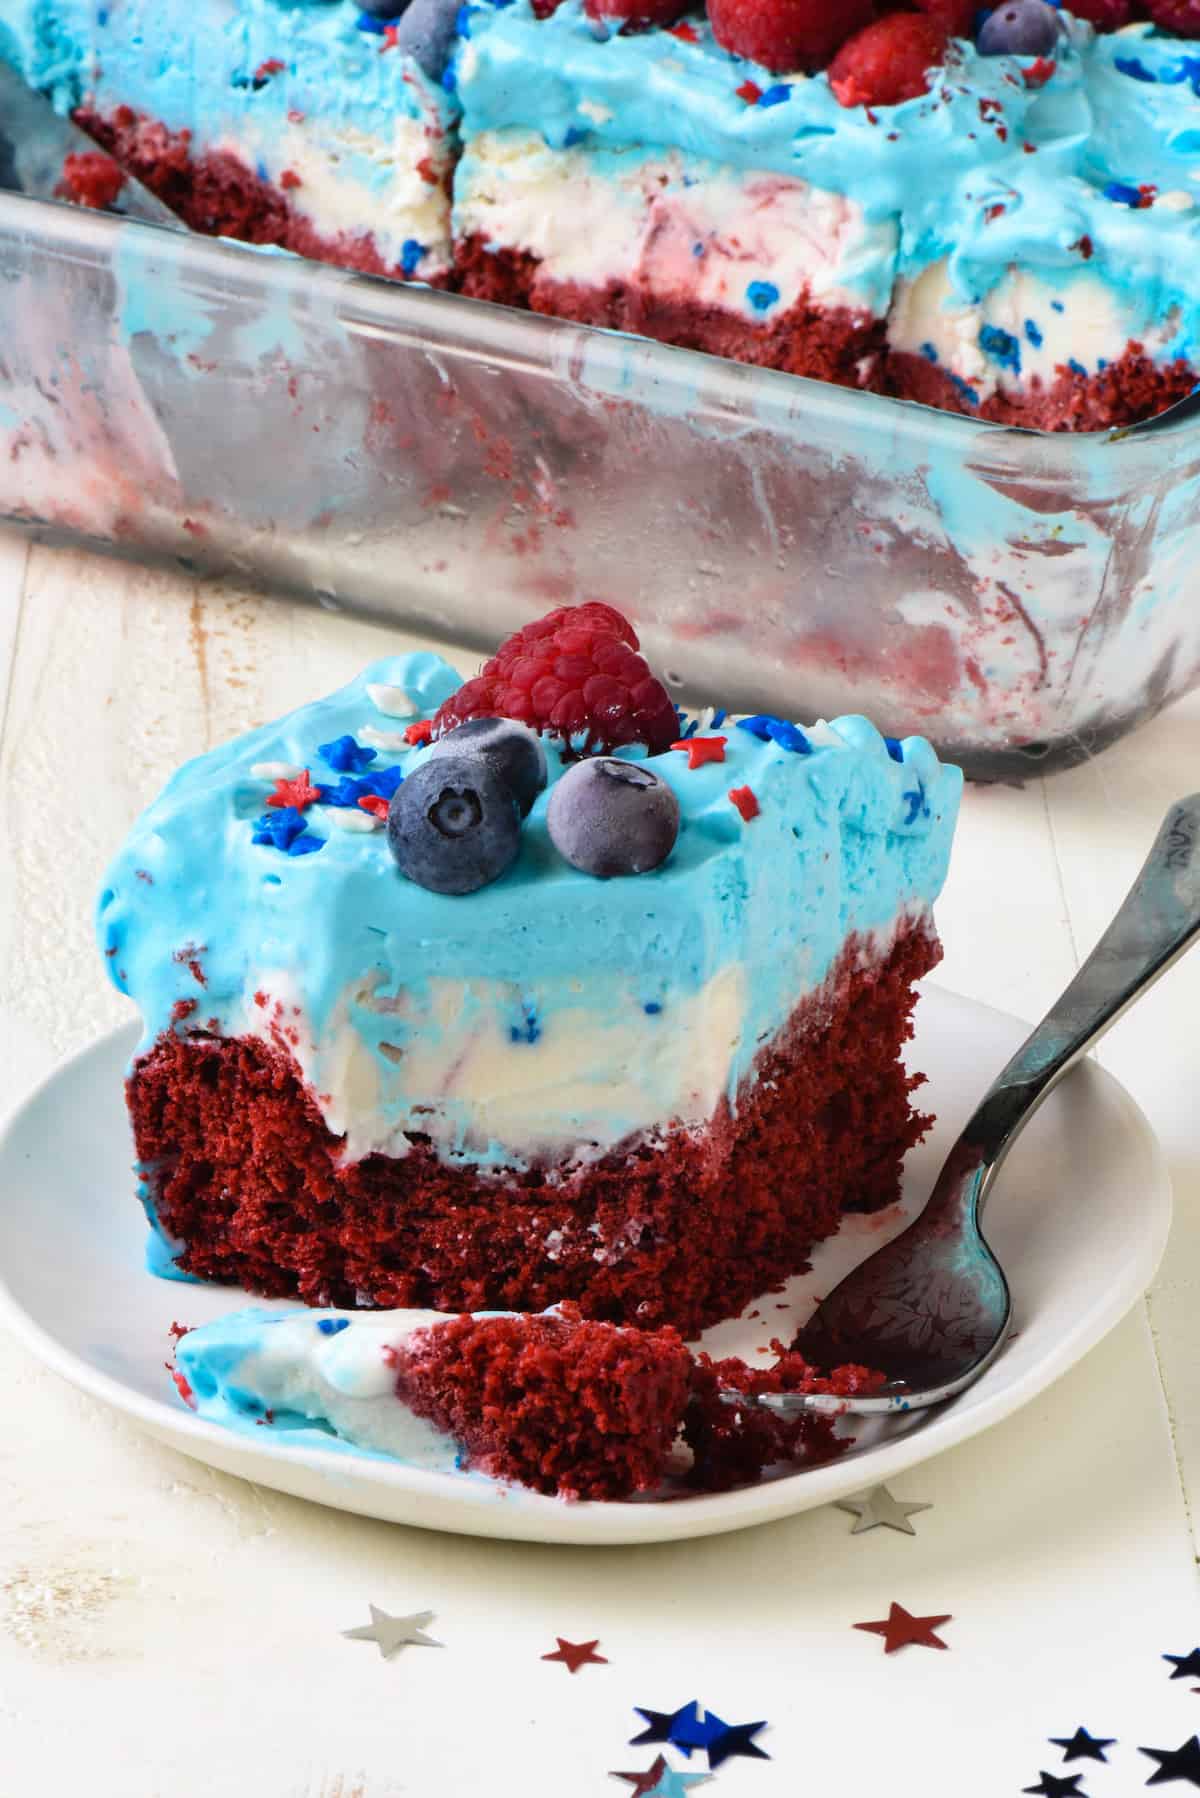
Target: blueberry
<point>382,9</point>
<point>426,33</point>
<point>1021,28</point>
<point>611,817</point>
<point>454,825</point>
<point>510,750</point>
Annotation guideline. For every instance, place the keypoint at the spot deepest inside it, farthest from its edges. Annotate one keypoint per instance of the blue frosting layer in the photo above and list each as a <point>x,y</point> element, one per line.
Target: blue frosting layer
<point>549,1011</point>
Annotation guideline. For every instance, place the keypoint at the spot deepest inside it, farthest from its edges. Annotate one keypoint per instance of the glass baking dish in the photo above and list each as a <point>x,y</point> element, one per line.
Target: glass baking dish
<point>1023,599</point>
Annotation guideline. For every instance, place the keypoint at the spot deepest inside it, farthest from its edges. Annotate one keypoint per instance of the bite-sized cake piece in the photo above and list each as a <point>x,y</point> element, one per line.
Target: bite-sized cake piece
<point>582,1410</point>
<point>315,127</point>
<point>613,1015</point>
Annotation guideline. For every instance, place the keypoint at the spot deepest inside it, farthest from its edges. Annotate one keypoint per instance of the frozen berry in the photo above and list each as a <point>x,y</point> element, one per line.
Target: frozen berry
<point>784,35</point>
<point>453,825</point>
<point>510,750</point>
<point>638,13</point>
<point>956,17</point>
<point>426,33</point>
<point>1180,17</point>
<point>611,817</point>
<point>889,61</point>
<point>1019,28</point>
<point>382,9</point>
<point>575,674</point>
<point>1105,15</point>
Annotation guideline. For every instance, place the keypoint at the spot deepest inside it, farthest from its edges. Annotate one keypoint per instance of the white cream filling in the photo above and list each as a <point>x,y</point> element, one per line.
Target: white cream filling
<point>1093,326</point>
<point>321,155</point>
<point>680,228</point>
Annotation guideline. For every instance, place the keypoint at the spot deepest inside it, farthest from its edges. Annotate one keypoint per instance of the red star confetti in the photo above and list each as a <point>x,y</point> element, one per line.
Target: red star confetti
<point>900,1628</point>
<point>577,1654</point>
<point>420,733</point>
<point>299,792</point>
<point>702,749</point>
<point>750,92</point>
<point>374,803</point>
<point>662,1781</point>
<point>747,804</point>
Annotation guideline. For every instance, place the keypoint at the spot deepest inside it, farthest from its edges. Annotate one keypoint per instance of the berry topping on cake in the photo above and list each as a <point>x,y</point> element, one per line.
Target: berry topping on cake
<point>454,826</point>
<point>784,35</point>
<point>1021,28</point>
<point>576,675</point>
<point>636,13</point>
<point>608,817</point>
<point>889,61</point>
<point>511,751</point>
<point>1179,17</point>
<point>426,33</point>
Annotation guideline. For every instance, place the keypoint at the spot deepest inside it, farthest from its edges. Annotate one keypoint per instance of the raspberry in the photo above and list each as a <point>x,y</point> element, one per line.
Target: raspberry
<point>888,61</point>
<point>1180,17</point>
<point>574,672</point>
<point>785,35</point>
<point>1105,15</point>
<point>637,13</point>
<point>957,17</point>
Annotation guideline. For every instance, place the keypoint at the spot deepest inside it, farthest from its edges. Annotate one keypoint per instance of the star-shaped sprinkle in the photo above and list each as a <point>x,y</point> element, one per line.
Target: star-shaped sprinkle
<point>689,1728</point>
<point>577,1654</point>
<point>661,1781</point>
<point>1187,1666</point>
<point>900,1628</point>
<point>377,806</point>
<point>420,733</point>
<point>777,730</point>
<point>702,749</point>
<point>391,1634</point>
<point>1082,1746</point>
<point>1175,1763</point>
<point>298,792</point>
<point>879,1507</point>
<point>744,799</point>
<point>285,830</point>
<point>345,756</point>
<point>1050,1787</point>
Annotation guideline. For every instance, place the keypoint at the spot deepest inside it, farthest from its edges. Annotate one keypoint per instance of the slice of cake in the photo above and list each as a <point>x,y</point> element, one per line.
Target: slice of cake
<point>494,995</point>
<point>569,1408</point>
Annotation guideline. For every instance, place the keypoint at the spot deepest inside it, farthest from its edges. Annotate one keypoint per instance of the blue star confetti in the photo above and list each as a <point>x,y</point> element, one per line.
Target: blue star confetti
<point>1050,1787</point>
<point>1082,1746</point>
<point>1187,1666</point>
<point>776,730</point>
<point>285,829</point>
<point>689,1727</point>
<point>345,756</point>
<point>1175,1763</point>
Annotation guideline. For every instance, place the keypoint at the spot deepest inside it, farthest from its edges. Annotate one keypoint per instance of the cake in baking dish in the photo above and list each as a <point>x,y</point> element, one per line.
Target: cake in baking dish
<point>992,212</point>
<point>498,994</point>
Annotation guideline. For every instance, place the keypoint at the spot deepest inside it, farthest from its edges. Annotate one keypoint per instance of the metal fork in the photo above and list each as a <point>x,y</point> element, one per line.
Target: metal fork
<point>931,1309</point>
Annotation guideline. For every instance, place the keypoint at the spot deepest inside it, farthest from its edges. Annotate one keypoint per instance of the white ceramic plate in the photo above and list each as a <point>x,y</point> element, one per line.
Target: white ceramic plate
<point>1079,1220</point>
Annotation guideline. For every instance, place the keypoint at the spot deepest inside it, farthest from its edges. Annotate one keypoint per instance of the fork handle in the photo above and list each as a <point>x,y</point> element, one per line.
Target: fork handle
<point>1159,920</point>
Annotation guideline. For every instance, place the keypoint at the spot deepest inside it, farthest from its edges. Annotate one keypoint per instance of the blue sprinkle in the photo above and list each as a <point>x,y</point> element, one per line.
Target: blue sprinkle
<point>1033,334</point>
<point>332,1326</point>
<point>1076,368</point>
<point>697,249</point>
<point>1057,306</point>
<point>775,95</point>
<point>411,253</point>
<point>929,353</point>
<point>1001,346</point>
<point>718,718</point>
<point>762,295</point>
<point>917,804</point>
<point>462,21</point>
<point>384,781</point>
<point>963,390</point>
<point>574,136</point>
<point>450,79</point>
<point>102,16</point>
<point>777,730</point>
<point>531,1031</point>
<point>260,169</point>
<point>280,828</point>
<point>368,22</point>
<point>1122,193</point>
<point>1132,65</point>
<point>305,845</point>
<point>652,1008</point>
<point>345,755</point>
<point>350,789</point>
<point>892,745</point>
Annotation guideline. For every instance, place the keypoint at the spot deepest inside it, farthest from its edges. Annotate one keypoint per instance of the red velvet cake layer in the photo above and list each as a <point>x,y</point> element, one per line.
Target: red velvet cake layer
<point>242,1169</point>
<point>1131,387</point>
<point>220,196</point>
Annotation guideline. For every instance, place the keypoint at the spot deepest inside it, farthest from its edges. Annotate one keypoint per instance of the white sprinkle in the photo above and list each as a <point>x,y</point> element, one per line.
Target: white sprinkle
<point>393,740</point>
<point>592,109</point>
<point>823,736</point>
<point>275,771</point>
<point>341,817</point>
<point>393,702</point>
<point>1175,200</point>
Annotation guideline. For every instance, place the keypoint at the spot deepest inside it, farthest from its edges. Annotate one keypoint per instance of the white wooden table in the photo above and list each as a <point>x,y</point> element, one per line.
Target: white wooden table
<point>165,1630</point>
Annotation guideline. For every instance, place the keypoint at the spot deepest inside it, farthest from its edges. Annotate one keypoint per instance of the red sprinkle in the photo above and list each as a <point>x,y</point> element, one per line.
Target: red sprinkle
<point>299,792</point>
<point>685,31</point>
<point>420,733</point>
<point>391,37</point>
<point>374,803</point>
<point>184,1390</point>
<point>1038,73</point>
<point>1084,245</point>
<point>747,804</point>
<point>295,116</point>
<point>289,178</point>
<point>702,749</point>
<point>750,92</point>
<point>272,66</point>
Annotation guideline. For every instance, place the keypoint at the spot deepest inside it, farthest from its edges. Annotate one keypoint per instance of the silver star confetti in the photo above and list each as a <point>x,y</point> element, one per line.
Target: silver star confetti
<point>391,1634</point>
<point>879,1507</point>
